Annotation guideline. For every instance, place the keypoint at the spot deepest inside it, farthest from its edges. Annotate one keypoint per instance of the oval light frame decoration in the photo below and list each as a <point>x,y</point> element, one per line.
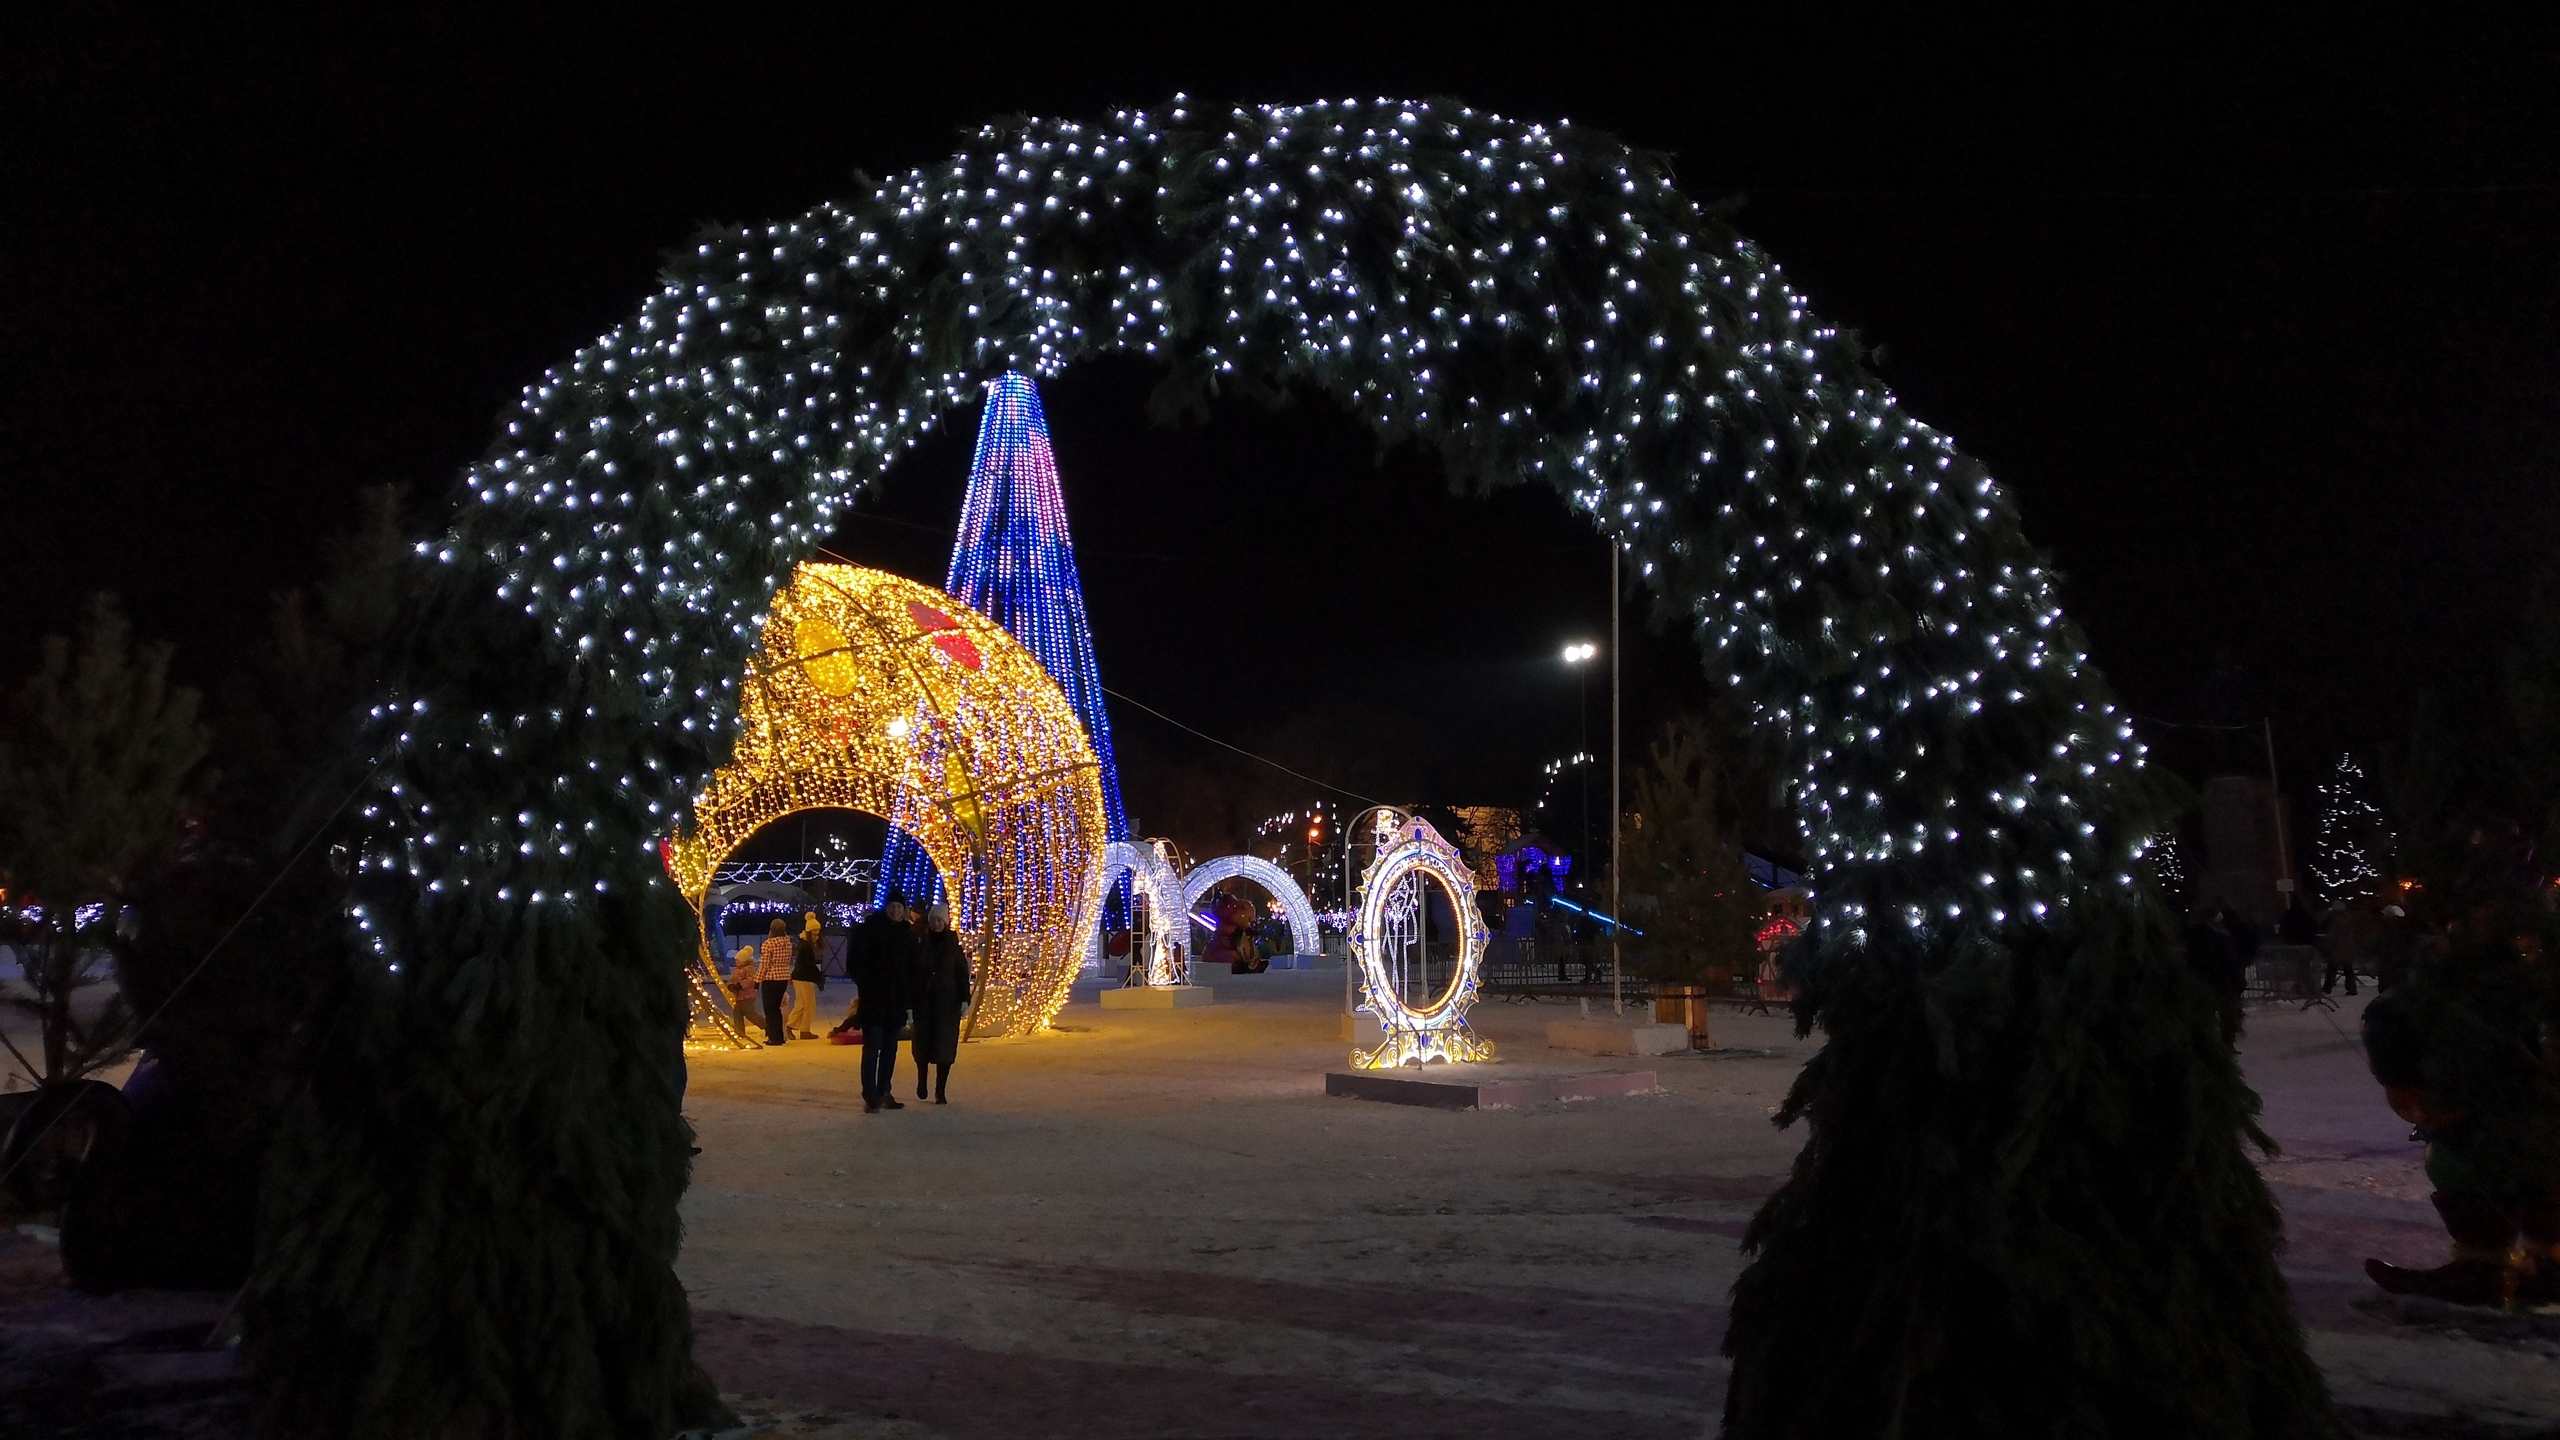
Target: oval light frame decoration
<point>1437,1031</point>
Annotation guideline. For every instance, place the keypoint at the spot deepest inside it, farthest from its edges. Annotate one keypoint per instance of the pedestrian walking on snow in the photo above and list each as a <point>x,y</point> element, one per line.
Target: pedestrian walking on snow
<point>941,993</point>
<point>742,984</point>
<point>773,979</point>
<point>807,979</point>
<point>883,964</point>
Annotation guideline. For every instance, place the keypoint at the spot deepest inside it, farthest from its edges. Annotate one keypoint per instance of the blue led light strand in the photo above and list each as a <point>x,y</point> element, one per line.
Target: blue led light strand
<point>1015,563</point>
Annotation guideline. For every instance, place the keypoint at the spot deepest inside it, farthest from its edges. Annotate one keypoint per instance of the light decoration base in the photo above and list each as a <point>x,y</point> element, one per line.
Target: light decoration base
<point>871,692</point>
<point>1437,1031</point>
<point>1168,917</point>
<point>1304,937</point>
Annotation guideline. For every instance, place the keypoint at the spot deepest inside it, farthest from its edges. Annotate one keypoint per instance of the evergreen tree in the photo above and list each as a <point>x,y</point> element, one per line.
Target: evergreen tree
<point>2352,840</point>
<point>239,945</point>
<point>1684,882</point>
<point>2531,774</point>
<point>96,760</point>
<point>2169,864</point>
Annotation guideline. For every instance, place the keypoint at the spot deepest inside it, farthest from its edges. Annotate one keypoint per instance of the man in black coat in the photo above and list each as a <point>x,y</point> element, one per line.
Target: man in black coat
<point>880,959</point>
<point>2217,962</point>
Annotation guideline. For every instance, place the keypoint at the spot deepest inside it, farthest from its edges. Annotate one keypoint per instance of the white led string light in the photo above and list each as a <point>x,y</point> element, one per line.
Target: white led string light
<point>1537,302</point>
<point>1417,1035</point>
<point>1303,935</point>
<point>1168,918</point>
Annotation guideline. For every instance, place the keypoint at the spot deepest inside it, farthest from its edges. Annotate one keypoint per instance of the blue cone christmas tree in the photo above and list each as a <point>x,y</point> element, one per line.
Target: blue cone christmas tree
<point>1015,564</point>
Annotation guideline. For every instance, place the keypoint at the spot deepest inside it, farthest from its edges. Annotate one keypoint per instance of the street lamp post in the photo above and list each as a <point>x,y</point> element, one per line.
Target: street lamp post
<point>1617,804</point>
<point>1579,655</point>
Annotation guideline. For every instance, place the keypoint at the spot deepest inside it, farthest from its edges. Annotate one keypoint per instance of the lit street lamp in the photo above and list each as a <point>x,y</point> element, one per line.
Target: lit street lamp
<point>1579,655</point>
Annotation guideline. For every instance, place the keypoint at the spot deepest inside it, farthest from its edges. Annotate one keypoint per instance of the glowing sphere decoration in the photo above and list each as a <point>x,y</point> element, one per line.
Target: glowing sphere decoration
<point>874,693</point>
<point>1304,937</point>
<point>1438,1030</point>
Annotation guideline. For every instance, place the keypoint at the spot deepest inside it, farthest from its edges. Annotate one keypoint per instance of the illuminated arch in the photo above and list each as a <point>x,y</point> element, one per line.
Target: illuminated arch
<point>872,692</point>
<point>1170,919</point>
<point>1532,303</point>
<point>1437,1031</point>
<point>1304,937</point>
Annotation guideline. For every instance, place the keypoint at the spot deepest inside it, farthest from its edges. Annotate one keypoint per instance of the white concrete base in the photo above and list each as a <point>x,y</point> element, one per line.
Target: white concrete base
<point>1364,1030</point>
<point>1159,997</point>
<point>1616,1037</point>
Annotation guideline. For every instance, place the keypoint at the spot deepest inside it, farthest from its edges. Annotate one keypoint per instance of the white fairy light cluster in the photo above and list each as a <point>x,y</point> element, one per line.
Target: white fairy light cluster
<point>1168,916</point>
<point>852,870</point>
<point>2352,836</point>
<point>1536,302</point>
<point>1304,937</point>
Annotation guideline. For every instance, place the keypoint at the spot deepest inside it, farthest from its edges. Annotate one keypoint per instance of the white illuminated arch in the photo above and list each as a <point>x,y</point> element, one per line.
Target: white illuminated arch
<point>1437,1031</point>
<point>1170,917</point>
<point>1304,938</point>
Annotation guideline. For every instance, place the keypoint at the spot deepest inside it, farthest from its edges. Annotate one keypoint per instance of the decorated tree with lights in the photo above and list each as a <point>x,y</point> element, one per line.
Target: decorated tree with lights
<point>1014,562</point>
<point>2353,838</point>
<point>2169,866</point>
<point>2023,1205</point>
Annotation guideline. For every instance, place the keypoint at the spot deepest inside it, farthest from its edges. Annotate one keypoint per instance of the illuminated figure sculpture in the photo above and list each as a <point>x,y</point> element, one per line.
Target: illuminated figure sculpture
<point>1015,563</point>
<point>1438,1030</point>
<point>1169,936</point>
<point>874,693</point>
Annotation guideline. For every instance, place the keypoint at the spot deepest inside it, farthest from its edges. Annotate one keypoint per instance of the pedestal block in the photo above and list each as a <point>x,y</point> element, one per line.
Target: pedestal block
<point>1617,1037</point>
<point>1398,1087</point>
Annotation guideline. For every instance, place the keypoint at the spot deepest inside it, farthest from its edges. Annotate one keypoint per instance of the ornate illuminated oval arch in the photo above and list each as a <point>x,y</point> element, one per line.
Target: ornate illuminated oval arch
<point>872,692</point>
<point>1304,937</point>
<point>1417,1034</point>
<point>1535,304</point>
<point>1170,913</point>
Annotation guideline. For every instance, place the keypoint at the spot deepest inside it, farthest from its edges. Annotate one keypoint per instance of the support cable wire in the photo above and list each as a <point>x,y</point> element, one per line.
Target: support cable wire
<point>1249,755</point>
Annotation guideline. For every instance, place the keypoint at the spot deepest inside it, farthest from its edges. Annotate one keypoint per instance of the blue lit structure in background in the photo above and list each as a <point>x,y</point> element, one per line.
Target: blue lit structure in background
<point>1015,564</point>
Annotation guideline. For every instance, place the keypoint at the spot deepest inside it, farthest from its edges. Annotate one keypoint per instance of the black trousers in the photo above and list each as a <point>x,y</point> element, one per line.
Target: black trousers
<point>879,1059</point>
<point>776,995</point>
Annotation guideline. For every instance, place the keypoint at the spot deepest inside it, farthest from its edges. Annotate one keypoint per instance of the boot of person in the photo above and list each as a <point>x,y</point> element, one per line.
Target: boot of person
<point>2483,1269</point>
<point>2540,1224</point>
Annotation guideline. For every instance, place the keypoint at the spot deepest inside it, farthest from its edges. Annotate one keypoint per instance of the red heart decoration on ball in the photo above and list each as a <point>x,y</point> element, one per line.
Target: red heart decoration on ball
<point>957,646</point>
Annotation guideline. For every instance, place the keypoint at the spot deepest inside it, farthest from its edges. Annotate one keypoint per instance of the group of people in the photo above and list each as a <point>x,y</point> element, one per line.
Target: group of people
<point>901,974</point>
<point>2220,946</point>
<point>781,967</point>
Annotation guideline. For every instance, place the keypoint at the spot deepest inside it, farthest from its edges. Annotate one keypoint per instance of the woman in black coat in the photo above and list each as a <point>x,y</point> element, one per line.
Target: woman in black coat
<point>939,994</point>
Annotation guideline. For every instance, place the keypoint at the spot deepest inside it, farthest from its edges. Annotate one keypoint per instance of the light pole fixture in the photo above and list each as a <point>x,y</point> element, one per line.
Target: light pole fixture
<point>1579,654</point>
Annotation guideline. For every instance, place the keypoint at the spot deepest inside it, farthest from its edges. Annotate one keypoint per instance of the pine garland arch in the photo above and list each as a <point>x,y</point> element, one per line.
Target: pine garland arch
<point>2023,1204</point>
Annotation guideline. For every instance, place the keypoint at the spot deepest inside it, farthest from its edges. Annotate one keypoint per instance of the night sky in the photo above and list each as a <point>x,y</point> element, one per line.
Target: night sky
<point>2260,327</point>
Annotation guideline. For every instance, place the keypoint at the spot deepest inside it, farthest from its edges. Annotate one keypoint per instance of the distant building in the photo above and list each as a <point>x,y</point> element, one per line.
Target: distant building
<point>2248,847</point>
